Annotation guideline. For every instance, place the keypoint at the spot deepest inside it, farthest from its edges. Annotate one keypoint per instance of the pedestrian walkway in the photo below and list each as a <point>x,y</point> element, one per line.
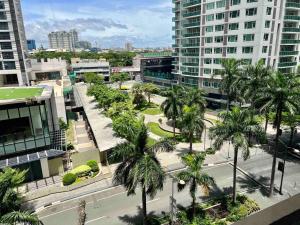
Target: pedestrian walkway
<point>84,143</point>
<point>38,184</point>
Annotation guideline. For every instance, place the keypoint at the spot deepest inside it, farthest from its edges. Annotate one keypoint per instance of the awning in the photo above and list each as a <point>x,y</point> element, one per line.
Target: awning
<point>22,159</point>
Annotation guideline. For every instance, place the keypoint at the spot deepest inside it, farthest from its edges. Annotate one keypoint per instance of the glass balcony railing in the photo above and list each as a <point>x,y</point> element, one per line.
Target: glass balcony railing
<point>292,17</point>
<point>175,9</point>
<point>191,24</point>
<point>191,45</point>
<point>175,46</point>
<point>291,29</point>
<point>191,3</point>
<point>191,35</point>
<point>287,64</point>
<point>287,53</point>
<point>292,5</point>
<point>189,14</point>
<point>190,73</point>
<point>190,64</point>
<point>190,53</point>
<point>288,41</point>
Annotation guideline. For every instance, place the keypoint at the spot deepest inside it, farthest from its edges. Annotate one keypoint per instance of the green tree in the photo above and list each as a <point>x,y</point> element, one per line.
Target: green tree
<point>149,89</point>
<point>195,96</point>
<point>172,106</point>
<point>236,126</point>
<point>119,78</point>
<point>93,78</point>
<point>140,166</point>
<point>138,97</point>
<point>291,120</point>
<point>10,199</point>
<point>229,75</point>
<point>194,177</point>
<point>282,93</point>
<point>192,123</point>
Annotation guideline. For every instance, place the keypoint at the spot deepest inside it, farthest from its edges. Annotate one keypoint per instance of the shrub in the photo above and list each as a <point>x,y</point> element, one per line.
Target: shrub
<point>81,171</point>
<point>210,151</point>
<point>69,179</point>
<point>94,165</point>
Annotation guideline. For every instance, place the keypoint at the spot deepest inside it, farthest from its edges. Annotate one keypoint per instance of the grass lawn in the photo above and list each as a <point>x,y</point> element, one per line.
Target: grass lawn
<point>155,129</point>
<point>152,111</point>
<point>19,93</point>
<point>151,142</point>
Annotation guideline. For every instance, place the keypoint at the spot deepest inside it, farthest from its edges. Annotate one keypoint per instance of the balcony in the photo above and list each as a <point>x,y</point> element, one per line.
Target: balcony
<point>292,5</point>
<point>191,3</point>
<point>175,9</point>
<point>175,19</point>
<point>191,35</point>
<point>175,54</point>
<point>287,64</point>
<point>190,54</point>
<point>190,73</point>
<point>191,24</point>
<point>291,30</point>
<point>190,14</point>
<point>288,53</point>
<point>196,45</point>
<point>289,41</point>
<point>292,17</point>
<point>190,64</point>
<point>175,46</point>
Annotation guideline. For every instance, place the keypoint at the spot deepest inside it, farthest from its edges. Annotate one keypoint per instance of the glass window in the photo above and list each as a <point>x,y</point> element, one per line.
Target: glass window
<point>264,49</point>
<point>207,61</point>
<point>250,24</point>
<point>4,36</point>
<point>231,50</point>
<point>232,38</point>
<point>235,2</point>
<point>208,50</point>
<point>267,24</point>
<point>249,1</point>
<point>210,17</point>
<point>7,55</point>
<point>221,4</point>
<point>234,14</point>
<point>220,16</point>
<point>266,37</point>
<point>210,5</point>
<point>251,11</point>
<point>209,29</point>
<point>5,45</point>
<point>2,6</point>
<point>233,26</point>
<point>208,40</point>
<point>218,50</point>
<point>8,65</point>
<point>219,39</point>
<point>3,16</point>
<point>219,27</point>
<point>248,37</point>
<point>207,71</point>
<point>217,61</point>
<point>269,11</point>
<point>3,26</point>
<point>247,50</point>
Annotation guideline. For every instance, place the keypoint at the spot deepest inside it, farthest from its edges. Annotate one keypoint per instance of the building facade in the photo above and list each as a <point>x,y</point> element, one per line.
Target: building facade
<point>14,64</point>
<point>83,44</point>
<point>156,67</point>
<point>208,31</point>
<point>31,45</point>
<point>63,40</point>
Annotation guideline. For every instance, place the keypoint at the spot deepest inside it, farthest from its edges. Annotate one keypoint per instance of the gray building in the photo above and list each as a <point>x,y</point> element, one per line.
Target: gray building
<point>83,44</point>
<point>63,40</point>
<point>14,64</point>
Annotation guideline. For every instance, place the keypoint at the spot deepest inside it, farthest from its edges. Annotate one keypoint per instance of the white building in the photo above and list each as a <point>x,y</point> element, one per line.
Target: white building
<point>14,64</point>
<point>128,46</point>
<point>208,31</point>
<point>82,66</point>
<point>63,40</point>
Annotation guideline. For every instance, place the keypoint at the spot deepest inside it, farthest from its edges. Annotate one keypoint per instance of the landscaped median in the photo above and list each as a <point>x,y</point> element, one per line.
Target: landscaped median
<point>152,111</point>
<point>155,129</point>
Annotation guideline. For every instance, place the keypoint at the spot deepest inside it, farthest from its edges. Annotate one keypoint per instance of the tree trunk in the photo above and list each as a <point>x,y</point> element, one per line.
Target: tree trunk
<point>194,207</point>
<point>191,143</point>
<point>149,99</point>
<point>278,123</point>
<point>144,199</point>
<point>228,105</point>
<point>267,121</point>
<point>291,136</point>
<point>174,127</point>
<point>234,174</point>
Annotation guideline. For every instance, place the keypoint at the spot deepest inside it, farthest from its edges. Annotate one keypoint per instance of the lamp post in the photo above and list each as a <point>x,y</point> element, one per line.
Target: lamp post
<point>172,200</point>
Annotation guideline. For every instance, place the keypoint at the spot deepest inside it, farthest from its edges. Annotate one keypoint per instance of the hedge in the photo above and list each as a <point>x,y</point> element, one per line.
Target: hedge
<point>81,171</point>
<point>69,179</point>
<point>94,165</point>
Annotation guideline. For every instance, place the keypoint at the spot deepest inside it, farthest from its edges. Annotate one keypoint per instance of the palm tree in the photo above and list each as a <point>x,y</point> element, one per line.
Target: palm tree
<point>10,200</point>
<point>282,93</point>
<point>229,75</point>
<point>192,123</point>
<point>173,104</point>
<point>292,121</point>
<point>236,126</point>
<point>140,166</point>
<point>195,96</point>
<point>138,97</point>
<point>194,177</point>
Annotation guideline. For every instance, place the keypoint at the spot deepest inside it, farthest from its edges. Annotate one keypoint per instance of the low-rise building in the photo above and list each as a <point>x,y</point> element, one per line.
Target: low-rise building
<point>82,66</point>
<point>156,67</point>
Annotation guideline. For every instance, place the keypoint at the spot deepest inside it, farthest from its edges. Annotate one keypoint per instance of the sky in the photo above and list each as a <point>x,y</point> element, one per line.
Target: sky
<point>105,23</point>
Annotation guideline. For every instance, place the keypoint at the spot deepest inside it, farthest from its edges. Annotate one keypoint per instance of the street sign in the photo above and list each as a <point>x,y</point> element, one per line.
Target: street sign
<point>281,166</point>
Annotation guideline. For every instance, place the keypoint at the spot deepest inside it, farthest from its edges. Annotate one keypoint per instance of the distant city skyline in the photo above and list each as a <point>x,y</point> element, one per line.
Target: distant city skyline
<point>106,24</point>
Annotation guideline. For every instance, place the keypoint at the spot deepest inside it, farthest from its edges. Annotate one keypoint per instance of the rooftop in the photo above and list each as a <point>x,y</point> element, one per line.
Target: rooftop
<point>19,93</point>
<point>156,54</point>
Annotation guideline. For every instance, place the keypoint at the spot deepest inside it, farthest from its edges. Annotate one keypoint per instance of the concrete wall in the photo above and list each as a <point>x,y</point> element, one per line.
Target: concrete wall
<point>273,213</point>
<point>80,158</point>
<point>56,166</point>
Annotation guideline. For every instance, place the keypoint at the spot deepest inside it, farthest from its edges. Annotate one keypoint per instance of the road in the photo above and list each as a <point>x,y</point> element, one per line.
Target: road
<point>114,207</point>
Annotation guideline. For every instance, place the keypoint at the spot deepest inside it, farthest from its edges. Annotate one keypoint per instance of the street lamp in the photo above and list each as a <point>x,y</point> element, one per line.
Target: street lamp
<point>172,200</point>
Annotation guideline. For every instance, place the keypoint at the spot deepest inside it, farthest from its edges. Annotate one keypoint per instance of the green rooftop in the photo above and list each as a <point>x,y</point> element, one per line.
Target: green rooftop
<point>19,93</point>
<point>156,54</point>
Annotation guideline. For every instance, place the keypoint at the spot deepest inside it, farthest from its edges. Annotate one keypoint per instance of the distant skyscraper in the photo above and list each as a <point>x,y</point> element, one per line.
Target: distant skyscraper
<point>13,45</point>
<point>83,44</point>
<point>31,45</point>
<point>128,46</point>
<point>63,40</point>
